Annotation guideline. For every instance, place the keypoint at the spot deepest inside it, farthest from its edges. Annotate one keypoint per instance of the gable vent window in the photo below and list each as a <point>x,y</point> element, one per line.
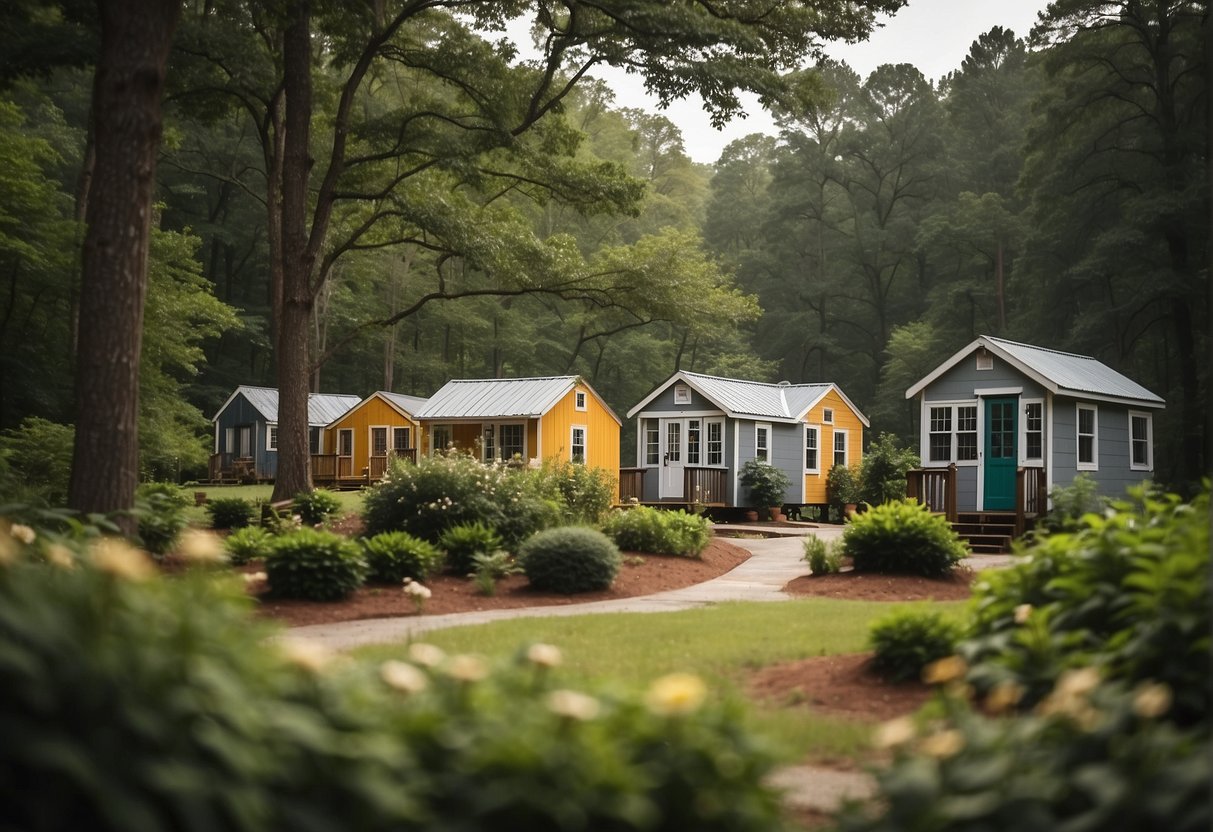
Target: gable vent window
<point>682,394</point>
<point>985,360</point>
<point>827,415</point>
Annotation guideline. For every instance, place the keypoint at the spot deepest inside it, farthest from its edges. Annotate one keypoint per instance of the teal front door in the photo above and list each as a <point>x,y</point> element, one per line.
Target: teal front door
<point>1000,454</point>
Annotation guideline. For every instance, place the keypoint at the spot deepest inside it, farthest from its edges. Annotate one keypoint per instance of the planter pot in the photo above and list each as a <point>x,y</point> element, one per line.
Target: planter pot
<point>751,517</point>
<point>851,508</point>
<point>776,513</point>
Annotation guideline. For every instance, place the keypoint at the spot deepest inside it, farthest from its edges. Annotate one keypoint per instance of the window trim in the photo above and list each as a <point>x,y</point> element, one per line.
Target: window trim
<point>370,440</point>
<point>271,436</point>
<point>1093,465</point>
<point>1149,440</point>
<point>924,439</point>
<point>682,394</point>
<point>699,445</point>
<point>846,447</point>
<point>448,428</point>
<point>408,438</point>
<point>579,401</point>
<point>1024,459</point>
<point>343,432</point>
<point>816,431</point>
<point>585,444</point>
<point>654,460</point>
<point>763,427</point>
<point>497,444</point>
<point>827,415</point>
<point>707,443</point>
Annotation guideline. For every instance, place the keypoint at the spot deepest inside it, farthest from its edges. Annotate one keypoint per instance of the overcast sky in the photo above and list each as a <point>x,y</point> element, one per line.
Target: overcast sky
<point>933,35</point>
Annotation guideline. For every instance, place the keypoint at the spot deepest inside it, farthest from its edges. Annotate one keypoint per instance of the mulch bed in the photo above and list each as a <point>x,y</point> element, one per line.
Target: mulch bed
<point>842,685</point>
<point>867,586</point>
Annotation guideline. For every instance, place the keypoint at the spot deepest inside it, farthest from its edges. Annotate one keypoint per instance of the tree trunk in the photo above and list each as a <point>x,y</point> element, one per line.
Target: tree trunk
<point>292,342</point>
<point>135,39</point>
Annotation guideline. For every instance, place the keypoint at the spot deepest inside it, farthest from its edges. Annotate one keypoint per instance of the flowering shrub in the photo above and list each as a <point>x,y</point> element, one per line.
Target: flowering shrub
<point>316,506</point>
<point>902,537</point>
<point>394,556</point>
<point>417,593</point>
<point>906,641</point>
<point>249,543</point>
<point>570,559</point>
<point>585,494</point>
<point>314,565</point>
<point>660,532</point>
<point>229,512</point>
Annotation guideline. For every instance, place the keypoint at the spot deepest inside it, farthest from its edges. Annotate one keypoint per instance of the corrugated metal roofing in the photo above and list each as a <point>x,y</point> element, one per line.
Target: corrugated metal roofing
<point>495,397</point>
<point>409,404</point>
<point>322,408</point>
<point>758,398</point>
<point>1075,373</point>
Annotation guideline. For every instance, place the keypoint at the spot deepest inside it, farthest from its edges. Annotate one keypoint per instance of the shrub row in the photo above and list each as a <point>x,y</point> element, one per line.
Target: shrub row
<point>659,532</point>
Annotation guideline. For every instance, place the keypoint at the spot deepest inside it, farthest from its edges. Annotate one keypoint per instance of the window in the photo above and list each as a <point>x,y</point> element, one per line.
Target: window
<point>345,443</point>
<point>577,444</point>
<point>1033,431</point>
<point>378,441</point>
<point>314,436</point>
<point>488,447</point>
<point>652,442</point>
<point>579,400</point>
<point>512,443</point>
<point>951,433</point>
<point>985,360</point>
<point>762,442</point>
<point>812,449</point>
<point>940,435</point>
<point>401,440</point>
<point>693,442</point>
<point>271,437</point>
<point>827,415</point>
<point>440,438</point>
<point>840,447</point>
<point>715,443</point>
<point>1088,438</point>
<point>966,432</point>
<point>1141,441</point>
<point>673,441</point>
<point>682,394</point>
<point>229,441</point>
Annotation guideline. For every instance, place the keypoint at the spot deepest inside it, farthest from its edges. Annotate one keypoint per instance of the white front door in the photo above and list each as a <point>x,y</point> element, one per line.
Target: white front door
<point>673,442</point>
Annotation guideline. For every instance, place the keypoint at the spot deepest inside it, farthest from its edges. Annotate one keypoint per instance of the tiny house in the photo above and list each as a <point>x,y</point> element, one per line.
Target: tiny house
<point>695,433</point>
<point>357,445</point>
<point>527,419</point>
<point>246,431</point>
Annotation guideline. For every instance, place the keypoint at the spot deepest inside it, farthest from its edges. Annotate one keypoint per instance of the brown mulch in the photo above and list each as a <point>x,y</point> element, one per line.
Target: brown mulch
<point>867,586</point>
<point>838,685</point>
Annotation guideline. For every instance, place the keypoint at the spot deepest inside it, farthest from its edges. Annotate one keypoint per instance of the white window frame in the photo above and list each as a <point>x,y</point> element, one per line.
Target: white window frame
<point>697,449</point>
<point>346,432</point>
<point>1149,440</point>
<point>827,415</point>
<point>763,428</point>
<point>682,394</point>
<point>579,402</point>
<point>1093,465</point>
<point>652,450</point>
<point>707,443</point>
<point>498,443</point>
<point>815,430</point>
<point>846,448</point>
<point>1023,431</point>
<point>271,436</point>
<point>924,440</point>
<point>585,444</point>
<point>985,360</point>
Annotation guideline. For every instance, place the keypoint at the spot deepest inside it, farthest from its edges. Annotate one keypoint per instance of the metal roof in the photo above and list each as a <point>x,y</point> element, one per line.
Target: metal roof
<point>322,408</point>
<point>409,404</point>
<point>496,398</point>
<point>754,399</point>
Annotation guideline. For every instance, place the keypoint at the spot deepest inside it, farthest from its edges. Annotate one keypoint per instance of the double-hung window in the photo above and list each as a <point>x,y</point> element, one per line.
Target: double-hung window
<point>271,439</point>
<point>652,442</point>
<point>1087,423</point>
<point>511,441</point>
<point>812,449</point>
<point>694,440</point>
<point>840,447</point>
<point>378,441</point>
<point>715,443</point>
<point>762,442</point>
<point>577,444</point>
<point>1141,438</point>
<point>952,433</point>
<point>400,440</point>
<point>1033,431</point>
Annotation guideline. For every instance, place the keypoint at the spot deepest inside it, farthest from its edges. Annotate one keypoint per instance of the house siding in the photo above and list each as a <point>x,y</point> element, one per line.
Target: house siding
<point>664,404</point>
<point>844,419</point>
<point>373,412</point>
<point>1114,473</point>
<point>602,431</point>
<point>239,412</point>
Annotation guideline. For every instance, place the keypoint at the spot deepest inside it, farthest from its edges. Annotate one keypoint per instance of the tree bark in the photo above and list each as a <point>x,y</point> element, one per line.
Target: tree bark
<point>135,39</point>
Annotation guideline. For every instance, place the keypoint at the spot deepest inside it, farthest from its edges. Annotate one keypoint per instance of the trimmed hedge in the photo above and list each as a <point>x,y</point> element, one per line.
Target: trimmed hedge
<point>570,559</point>
<point>659,532</point>
<point>314,565</point>
<point>902,537</point>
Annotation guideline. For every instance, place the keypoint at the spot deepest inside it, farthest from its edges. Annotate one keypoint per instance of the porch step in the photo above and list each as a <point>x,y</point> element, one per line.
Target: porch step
<point>986,532</point>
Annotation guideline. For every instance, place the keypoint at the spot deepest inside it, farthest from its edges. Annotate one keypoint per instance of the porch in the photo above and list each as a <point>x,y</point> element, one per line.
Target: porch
<point>986,532</point>
<point>337,471</point>
<point>700,486</point>
<point>227,468</point>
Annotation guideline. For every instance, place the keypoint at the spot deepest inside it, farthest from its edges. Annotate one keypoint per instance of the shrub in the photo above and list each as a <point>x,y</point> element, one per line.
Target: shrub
<point>249,543</point>
<point>823,556</point>
<point>464,542</point>
<point>766,483</point>
<point>659,532</point>
<point>229,512</point>
<point>314,565</point>
<point>906,641</point>
<point>394,556</point>
<point>36,461</point>
<point>489,568</point>
<point>842,488</point>
<point>316,506</point>
<point>160,510</point>
<point>883,473</point>
<point>1070,503</point>
<point>902,537</point>
<point>570,559</point>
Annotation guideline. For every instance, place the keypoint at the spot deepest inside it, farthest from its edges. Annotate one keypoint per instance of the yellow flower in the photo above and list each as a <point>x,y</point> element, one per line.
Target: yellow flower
<point>544,655</point>
<point>573,705</point>
<point>894,733</point>
<point>201,547</point>
<point>403,676</point>
<point>943,744</point>
<point>1151,700</point>
<point>1004,696</point>
<point>1022,613</point>
<point>426,655</point>
<point>466,668</point>
<point>944,670</point>
<point>676,694</point>
<point>1078,682</point>
<point>309,655</point>
<point>59,555</point>
<point>120,559</point>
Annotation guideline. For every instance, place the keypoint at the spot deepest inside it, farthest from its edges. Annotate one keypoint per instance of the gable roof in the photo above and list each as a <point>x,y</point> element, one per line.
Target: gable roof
<point>322,408</point>
<point>497,398</point>
<point>1065,373</point>
<point>743,399</point>
<point>406,406</point>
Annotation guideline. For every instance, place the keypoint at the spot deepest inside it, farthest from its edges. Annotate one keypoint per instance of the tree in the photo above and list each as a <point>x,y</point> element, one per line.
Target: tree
<point>135,41</point>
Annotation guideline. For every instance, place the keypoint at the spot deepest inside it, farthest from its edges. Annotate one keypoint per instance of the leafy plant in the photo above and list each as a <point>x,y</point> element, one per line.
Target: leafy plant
<point>585,493</point>
<point>249,543</point>
<point>393,556</point>
<point>823,556</point>
<point>1070,503</point>
<point>316,506</point>
<point>36,461</point>
<point>902,537</point>
<point>906,641</point>
<point>767,484</point>
<point>883,473</point>
<point>491,567</point>
<point>229,512</point>
<point>160,511</point>
<point>660,532</point>
<point>570,559</point>
<point>314,565</point>
<point>463,543</point>
<point>842,488</point>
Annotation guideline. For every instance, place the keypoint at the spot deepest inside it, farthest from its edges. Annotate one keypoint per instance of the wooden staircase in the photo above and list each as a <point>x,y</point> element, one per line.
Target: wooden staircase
<point>986,532</point>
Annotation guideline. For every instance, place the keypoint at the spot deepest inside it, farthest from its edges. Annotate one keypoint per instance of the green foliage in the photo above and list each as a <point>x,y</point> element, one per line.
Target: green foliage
<point>160,509</point>
<point>659,532</point>
<point>491,567</point>
<point>394,556</point>
<point>316,506</point>
<point>902,537</point>
<point>766,483</point>
<point>463,543</point>
<point>824,557</point>
<point>1070,503</point>
<point>883,473</point>
<point>1126,592</point>
<point>906,641</point>
<point>229,512</point>
<point>842,488</point>
<point>248,543</point>
<point>586,494</point>
<point>36,461</point>
<point>314,565</point>
<point>570,559</point>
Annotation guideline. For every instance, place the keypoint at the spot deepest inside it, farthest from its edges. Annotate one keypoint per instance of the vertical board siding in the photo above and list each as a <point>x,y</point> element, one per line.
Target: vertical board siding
<point>372,412</point>
<point>602,431</point>
<point>844,419</point>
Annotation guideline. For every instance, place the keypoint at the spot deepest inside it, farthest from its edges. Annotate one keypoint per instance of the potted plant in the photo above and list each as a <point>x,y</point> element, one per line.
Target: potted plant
<point>843,490</point>
<point>766,484</point>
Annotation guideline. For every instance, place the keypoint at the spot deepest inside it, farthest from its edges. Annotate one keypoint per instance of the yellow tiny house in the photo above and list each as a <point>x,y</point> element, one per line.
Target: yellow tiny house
<point>835,426</point>
<point>358,444</point>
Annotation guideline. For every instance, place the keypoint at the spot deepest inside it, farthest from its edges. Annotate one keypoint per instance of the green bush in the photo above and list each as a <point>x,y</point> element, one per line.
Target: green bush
<point>1070,503</point>
<point>843,488</point>
<point>570,559</point>
<point>659,532</point>
<point>314,565</point>
<point>1127,592</point>
<point>229,512</point>
<point>394,556</point>
<point>824,557</point>
<point>906,641</point>
<point>160,511</point>
<point>585,494</point>
<point>249,543</point>
<point>36,461</point>
<point>902,537</point>
<point>883,473</point>
<point>766,484</point>
<point>314,507</point>
<point>464,542</point>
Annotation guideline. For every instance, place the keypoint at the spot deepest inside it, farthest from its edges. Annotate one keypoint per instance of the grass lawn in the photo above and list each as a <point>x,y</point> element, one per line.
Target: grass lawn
<point>721,643</point>
<point>351,501</point>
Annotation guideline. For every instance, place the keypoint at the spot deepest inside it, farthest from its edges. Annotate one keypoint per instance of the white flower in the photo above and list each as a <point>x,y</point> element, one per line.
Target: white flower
<point>255,577</point>
<point>416,590</point>
<point>544,655</point>
<point>943,744</point>
<point>120,559</point>
<point>1022,613</point>
<point>201,547</point>
<point>676,694</point>
<point>894,733</point>
<point>466,668</point>
<point>23,533</point>
<point>309,655</point>
<point>573,705</point>
<point>1151,700</point>
<point>403,676</point>
<point>59,555</point>
<point>426,655</point>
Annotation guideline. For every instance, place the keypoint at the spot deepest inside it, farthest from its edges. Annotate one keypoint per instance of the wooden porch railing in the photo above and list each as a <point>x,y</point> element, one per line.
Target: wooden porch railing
<point>324,468</point>
<point>1031,495</point>
<point>631,484</point>
<point>704,485</point>
<point>935,488</point>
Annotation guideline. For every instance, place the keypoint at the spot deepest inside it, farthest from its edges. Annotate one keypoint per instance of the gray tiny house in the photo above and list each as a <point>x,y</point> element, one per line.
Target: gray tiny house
<point>1009,421</point>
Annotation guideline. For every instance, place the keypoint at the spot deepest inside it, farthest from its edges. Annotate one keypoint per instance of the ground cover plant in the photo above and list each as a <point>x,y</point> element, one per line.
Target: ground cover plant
<point>247,544</point>
<point>904,537</point>
<point>316,506</point>
<point>160,510</point>
<point>659,532</point>
<point>904,642</point>
<point>229,512</point>
<point>823,556</point>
